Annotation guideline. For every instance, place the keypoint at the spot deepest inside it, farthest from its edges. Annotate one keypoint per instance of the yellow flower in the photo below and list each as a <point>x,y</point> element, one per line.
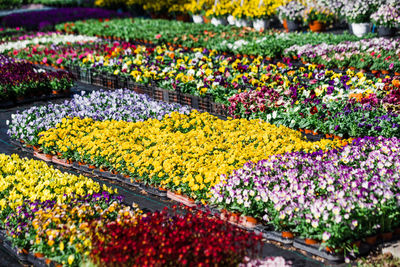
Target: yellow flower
<point>71,259</point>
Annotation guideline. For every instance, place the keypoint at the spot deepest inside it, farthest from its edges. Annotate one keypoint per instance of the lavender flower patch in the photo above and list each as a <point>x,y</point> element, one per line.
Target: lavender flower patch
<point>118,105</point>
<point>336,197</point>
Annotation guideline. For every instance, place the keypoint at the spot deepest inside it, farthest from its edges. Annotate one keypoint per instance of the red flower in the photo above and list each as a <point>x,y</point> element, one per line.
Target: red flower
<point>313,110</point>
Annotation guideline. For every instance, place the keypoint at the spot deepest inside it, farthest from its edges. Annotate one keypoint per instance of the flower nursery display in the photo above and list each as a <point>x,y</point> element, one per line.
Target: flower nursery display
<point>263,134</point>
<point>21,42</point>
<point>183,153</point>
<point>69,220</point>
<point>19,79</point>
<point>99,105</point>
<point>291,15</point>
<point>222,38</point>
<point>335,197</point>
<point>375,54</point>
<point>325,101</point>
<point>165,239</point>
<point>38,20</point>
<point>318,18</point>
<point>387,17</point>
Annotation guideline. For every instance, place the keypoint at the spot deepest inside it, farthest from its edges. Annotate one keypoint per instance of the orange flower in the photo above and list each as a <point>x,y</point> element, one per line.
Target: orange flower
<point>358,96</point>
<point>396,83</point>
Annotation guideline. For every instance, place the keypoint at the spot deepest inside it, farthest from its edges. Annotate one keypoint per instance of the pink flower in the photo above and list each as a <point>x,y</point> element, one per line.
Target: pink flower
<point>59,61</point>
<point>158,36</point>
<point>391,66</point>
<point>44,60</point>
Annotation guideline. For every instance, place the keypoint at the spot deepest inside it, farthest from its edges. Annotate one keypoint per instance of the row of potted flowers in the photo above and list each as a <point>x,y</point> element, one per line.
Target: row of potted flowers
<point>19,79</point>
<point>182,153</point>
<point>335,104</point>
<point>74,220</point>
<point>222,38</point>
<point>335,197</point>
<point>281,90</point>
<point>369,54</point>
<point>219,75</point>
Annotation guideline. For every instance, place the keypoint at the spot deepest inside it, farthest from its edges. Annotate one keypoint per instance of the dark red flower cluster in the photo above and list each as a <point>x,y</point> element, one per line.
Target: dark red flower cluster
<point>165,238</point>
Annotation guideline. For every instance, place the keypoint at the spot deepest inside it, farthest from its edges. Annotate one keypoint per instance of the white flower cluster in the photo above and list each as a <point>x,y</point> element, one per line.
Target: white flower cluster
<point>387,15</point>
<point>291,11</point>
<point>54,38</point>
<point>357,11</point>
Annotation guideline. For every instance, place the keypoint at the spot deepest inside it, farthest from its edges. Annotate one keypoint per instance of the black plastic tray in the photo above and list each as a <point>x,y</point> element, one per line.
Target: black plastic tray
<point>154,191</point>
<point>36,261</point>
<point>315,250</point>
<point>14,251</point>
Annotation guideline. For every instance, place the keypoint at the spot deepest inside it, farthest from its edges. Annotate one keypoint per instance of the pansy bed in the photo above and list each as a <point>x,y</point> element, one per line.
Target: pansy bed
<point>334,103</point>
<point>51,217</point>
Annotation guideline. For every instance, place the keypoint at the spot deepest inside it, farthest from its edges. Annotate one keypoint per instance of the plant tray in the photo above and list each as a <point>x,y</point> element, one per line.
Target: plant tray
<point>26,149</point>
<point>3,235</point>
<point>266,232</point>
<point>108,175</point>
<point>14,251</point>
<point>83,168</point>
<point>182,199</point>
<point>41,156</point>
<point>131,182</point>
<point>314,249</point>
<point>15,143</point>
<point>37,262</point>
<point>61,162</point>
<point>154,191</point>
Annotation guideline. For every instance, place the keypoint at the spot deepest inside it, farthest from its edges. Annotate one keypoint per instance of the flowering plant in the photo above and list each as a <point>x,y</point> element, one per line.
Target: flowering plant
<point>318,13</point>
<point>158,154</point>
<point>161,238</point>
<point>291,11</point>
<point>357,11</point>
<point>386,15</point>
<point>327,196</point>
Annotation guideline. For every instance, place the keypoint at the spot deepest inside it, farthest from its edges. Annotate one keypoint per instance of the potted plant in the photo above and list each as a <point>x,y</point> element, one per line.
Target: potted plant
<point>196,10</point>
<point>386,18</point>
<point>317,18</point>
<point>358,14</point>
<point>291,15</point>
<point>219,11</point>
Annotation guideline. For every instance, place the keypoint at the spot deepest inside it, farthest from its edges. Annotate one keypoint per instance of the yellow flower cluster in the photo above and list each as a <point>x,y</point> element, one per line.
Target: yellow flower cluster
<point>24,179</point>
<point>255,8</point>
<point>184,153</point>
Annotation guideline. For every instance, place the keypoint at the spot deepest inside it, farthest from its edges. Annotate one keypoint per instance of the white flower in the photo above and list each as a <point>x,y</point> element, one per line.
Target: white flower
<point>326,236</point>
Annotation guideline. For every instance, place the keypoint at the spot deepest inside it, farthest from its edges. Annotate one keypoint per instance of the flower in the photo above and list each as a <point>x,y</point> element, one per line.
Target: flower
<point>71,259</point>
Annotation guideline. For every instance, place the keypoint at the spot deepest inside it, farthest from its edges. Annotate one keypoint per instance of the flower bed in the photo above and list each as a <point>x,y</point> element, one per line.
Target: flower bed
<point>19,79</point>
<point>67,220</point>
<point>379,54</point>
<point>183,153</point>
<point>48,18</point>
<point>21,42</point>
<point>99,105</point>
<point>311,98</point>
<point>336,197</point>
<point>174,239</point>
<point>222,38</point>
<point>331,103</point>
<point>199,72</point>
